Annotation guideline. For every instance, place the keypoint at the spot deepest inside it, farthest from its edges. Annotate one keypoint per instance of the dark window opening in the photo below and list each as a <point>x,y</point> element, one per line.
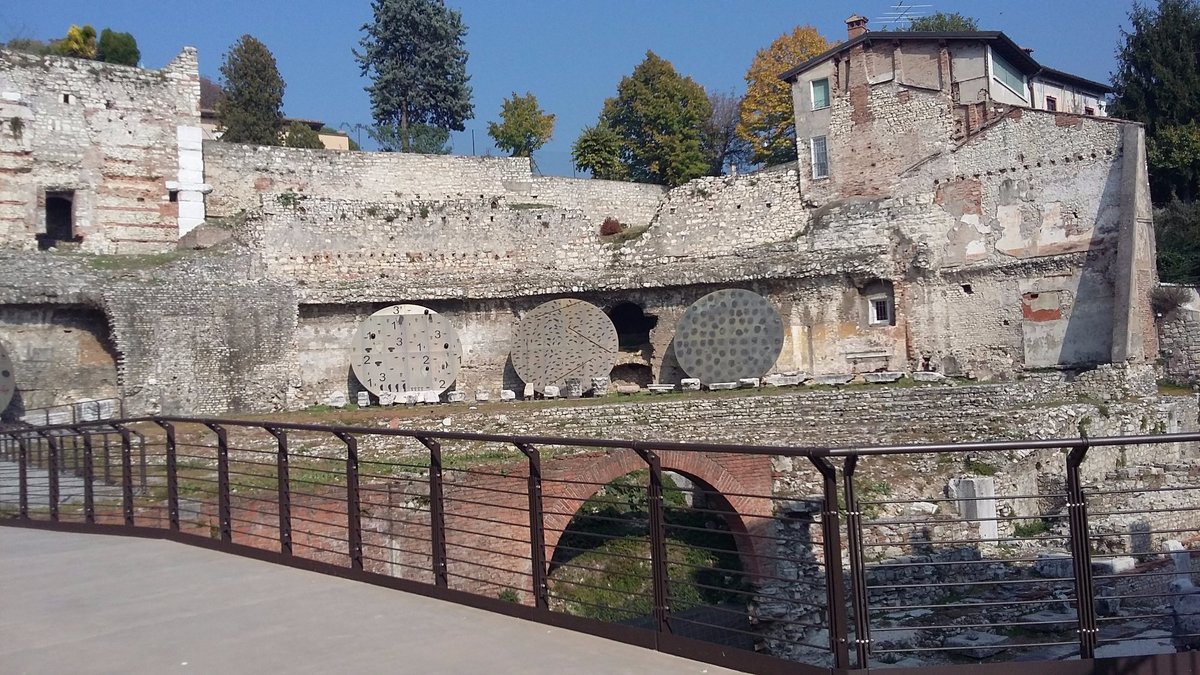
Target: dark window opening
<point>967,289</point>
<point>1051,104</point>
<point>631,373</point>
<point>173,196</point>
<point>1089,111</point>
<point>633,326</point>
<point>60,219</point>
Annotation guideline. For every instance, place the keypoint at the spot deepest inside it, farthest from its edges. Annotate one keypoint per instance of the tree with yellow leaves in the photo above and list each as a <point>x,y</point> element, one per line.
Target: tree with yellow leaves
<point>80,42</point>
<point>767,120</point>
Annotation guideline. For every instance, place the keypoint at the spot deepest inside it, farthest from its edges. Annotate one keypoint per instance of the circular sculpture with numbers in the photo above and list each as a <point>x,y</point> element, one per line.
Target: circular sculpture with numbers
<point>728,335</point>
<point>562,340</point>
<point>406,349</point>
<point>8,383</point>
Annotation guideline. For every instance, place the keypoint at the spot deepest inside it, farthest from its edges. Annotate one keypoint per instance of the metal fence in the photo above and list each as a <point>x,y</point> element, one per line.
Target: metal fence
<point>91,410</point>
<point>769,559</point>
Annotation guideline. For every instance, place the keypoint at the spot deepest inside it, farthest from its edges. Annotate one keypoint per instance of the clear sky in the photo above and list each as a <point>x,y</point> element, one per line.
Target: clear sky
<point>569,53</point>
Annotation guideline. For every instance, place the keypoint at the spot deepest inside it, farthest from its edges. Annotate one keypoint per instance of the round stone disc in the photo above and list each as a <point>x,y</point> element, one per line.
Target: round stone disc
<point>729,335</point>
<point>8,383</point>
<point>561,340</point>
<point>406,348</point>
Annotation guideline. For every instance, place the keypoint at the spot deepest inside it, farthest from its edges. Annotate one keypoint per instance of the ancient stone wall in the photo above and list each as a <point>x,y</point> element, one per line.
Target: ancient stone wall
<point>239,174</point>
<point>65,354</point>
<point>1179,332</point>
<point>116,148</point>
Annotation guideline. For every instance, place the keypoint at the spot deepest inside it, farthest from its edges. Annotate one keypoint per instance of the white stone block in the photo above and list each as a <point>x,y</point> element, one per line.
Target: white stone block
<point>975,499</point>
<point>456,396</point>
<point>784,379</point>
<point>508,395</point>
<point>831,380</point>
<point>482,396</point>
<point>550,391</point>
<point>387,398</point>
<point>660,388</point>
<point>628,389</point>
<point>722,386</point>
<point>927,376</point>
<point>749,383</point>
<point>882,378</point>
<point>363,399</point>
<point>690,384</point>
<point>336,399</point>
<point>530,392</point>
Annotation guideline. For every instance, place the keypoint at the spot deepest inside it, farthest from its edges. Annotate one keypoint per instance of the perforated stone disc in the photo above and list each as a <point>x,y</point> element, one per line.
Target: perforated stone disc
<point>728,335</point>
<point>406,348</point>
<point>564,339</point>
<point>8,383</point>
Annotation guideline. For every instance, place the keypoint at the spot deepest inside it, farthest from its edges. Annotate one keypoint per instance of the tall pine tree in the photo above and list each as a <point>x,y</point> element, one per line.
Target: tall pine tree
<point>414,54</point>
<point>251,102</point>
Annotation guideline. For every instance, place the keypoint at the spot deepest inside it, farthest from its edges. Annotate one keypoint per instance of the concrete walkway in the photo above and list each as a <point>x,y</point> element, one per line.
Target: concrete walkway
<point>74,603</point>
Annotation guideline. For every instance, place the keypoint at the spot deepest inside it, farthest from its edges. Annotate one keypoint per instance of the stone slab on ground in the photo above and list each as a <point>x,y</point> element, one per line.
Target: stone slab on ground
<point>660,388</point>
<point>882,378</point>
<point>784,379</point>
<point>927,376</point>
<point>830,380</point>
<point>690,384</point>
<point>722,386</point>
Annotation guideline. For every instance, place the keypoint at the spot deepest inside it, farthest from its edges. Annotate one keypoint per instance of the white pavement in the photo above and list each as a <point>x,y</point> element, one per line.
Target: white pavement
<point>76,603</point>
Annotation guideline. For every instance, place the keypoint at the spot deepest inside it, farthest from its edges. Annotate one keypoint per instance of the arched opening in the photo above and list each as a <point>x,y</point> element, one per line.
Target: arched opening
<point>601,562</point>
<point>633,326</point>
<point>631,373</point>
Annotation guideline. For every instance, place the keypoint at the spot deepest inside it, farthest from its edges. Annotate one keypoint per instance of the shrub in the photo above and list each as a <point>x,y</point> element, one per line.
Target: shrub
<point>610,227</point>
<point>1164,300</point>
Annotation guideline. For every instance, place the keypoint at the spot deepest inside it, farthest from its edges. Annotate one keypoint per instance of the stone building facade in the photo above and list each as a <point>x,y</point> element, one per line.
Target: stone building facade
<point>104,155</point>
<point>979,246</point>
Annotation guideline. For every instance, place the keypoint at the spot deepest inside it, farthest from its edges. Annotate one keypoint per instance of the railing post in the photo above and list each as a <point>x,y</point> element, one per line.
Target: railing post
<point>283,475</point>
<point>858,570</point>
<point>831,540</point>
<point>141,439</point>
<point>658,542</point>
<point>353,506</point>
<point>172,476</point>
<point>1081,554</point>
<point>537,528</point>
<point>51,473</point>
<point>107,461</point>
<point>225,522</point>
<point>437,513</point>
<point>22,476</point>
<point>127,474</point>
<point>89,500</point>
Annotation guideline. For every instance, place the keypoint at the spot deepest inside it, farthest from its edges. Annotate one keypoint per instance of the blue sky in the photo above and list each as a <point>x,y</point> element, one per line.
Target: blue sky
<point>569,53</point>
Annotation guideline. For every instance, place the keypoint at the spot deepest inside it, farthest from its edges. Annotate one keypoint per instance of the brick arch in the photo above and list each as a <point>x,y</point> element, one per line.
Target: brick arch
<point>733,480</point>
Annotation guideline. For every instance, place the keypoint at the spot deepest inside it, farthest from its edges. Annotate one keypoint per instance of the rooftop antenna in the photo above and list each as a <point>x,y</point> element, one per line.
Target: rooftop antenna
<point>903,13</point>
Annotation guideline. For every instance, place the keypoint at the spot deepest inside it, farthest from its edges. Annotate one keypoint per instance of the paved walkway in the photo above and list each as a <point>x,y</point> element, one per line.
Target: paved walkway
<point>74,603</point>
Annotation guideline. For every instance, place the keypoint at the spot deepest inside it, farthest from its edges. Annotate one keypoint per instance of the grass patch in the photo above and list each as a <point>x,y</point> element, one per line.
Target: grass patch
<point>530,206</point>
<point>145,261</point>
<point>626,235</point>
<point>980,467</point>
<point>1172,388</point>
<point>1030,528</point>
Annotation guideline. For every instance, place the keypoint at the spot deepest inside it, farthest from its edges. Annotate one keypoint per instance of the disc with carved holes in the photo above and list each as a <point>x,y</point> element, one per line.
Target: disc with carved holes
<point>8,382</point>
<point>729,335</point>
<point>406,349</point>
<point>561,340</point>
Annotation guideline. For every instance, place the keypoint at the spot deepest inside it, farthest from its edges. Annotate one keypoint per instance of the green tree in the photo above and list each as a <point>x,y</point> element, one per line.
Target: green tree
<point>414,54</point>
<point>425,139</point>
<point>943,22</point>
<point>524,126</point>
<point>300,135</point>
<point>118,48</point>
<point>80,42</point>
<point>1157,83</point>
<point>1177,235</point>
<point>598,150</point>
<point>252,94</point>
<point>30,46</point>
<point>659,117</point>
<point>768,120</point>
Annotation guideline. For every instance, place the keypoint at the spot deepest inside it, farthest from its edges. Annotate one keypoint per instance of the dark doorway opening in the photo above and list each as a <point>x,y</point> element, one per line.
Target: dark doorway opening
<point>632,373</point>
<point>60,219</point>
<point>633,326</point>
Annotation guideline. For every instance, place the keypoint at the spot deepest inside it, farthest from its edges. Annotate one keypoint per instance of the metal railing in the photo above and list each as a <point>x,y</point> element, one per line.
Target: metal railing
<point>91,410</point>
<point>770,559</point>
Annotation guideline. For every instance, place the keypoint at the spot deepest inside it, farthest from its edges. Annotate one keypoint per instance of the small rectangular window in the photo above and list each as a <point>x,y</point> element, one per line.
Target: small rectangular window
<point>1051,104</point>
<point>1009,76</point>
<point>173,196</point>
<point>880,310</point>
<point>820,94</point>
<point>1089,111</point>
<point>820,158</point>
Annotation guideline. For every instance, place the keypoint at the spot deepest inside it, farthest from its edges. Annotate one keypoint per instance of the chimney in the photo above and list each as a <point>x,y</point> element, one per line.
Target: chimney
<point>855,26</point>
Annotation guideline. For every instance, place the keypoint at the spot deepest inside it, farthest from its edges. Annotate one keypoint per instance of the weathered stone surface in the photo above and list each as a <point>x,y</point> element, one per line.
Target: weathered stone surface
<point>628,389</point>
<point>660,388</point>
<point>749,383</point>
<point>573,388</point>
<point>882,378</point>
<point>530,392</point>
<point>387,398</point>
<point>784,379</point>
<point>456,396</point>
<point>508,395</point>
<point>1113,564</point>
<point>483,396</point>
<point>927,376</point>
<point>690,384</point>
<point>336,399</point>
<point>722,386</point>
<point>975,499</point>
<point>550,391</point>
<point>976,644</point>
<point>830,380</point>
<point>204,236</point>
<point>600,386</point>
<point>1054,565</point>
<point>362,399</point>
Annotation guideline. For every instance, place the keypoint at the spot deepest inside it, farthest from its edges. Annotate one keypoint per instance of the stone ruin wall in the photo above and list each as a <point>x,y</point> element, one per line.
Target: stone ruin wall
<point>241,175</point>
<point>1179,332</point>
<point>121,138</point>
